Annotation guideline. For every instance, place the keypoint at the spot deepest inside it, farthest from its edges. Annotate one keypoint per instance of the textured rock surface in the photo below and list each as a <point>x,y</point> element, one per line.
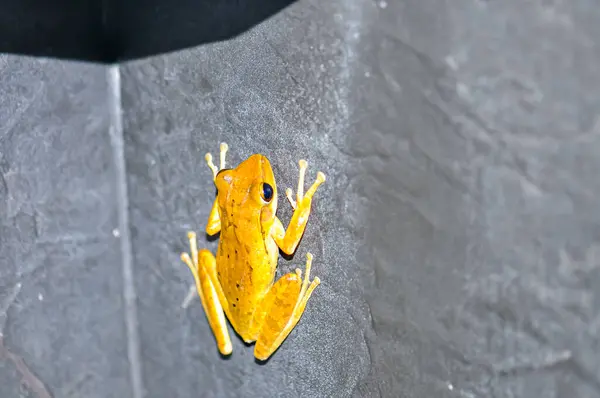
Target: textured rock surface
<point>457,236</point>
<point>61,306</point>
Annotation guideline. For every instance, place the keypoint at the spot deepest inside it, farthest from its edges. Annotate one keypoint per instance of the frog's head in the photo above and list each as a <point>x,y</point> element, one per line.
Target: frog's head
<point>251,186</point>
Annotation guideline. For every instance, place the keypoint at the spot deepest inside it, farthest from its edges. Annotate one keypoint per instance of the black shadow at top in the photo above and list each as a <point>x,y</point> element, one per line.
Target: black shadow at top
<point>150,27</point>
<point>72,29</point>
<point>109,31</point>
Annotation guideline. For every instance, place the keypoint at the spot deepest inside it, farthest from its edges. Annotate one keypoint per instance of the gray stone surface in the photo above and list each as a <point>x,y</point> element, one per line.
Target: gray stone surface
<point>60,265</point>
<point>457,230</point>
<point>457,236</point>
<point>260,96</point>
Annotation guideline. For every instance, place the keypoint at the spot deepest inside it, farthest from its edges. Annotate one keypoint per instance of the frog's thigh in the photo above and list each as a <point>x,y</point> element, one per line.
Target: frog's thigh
<point>210,299</point>
<point>281,310</point>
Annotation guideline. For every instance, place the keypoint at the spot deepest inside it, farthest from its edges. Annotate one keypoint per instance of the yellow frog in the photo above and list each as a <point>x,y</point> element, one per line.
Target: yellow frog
<point>239,281</point>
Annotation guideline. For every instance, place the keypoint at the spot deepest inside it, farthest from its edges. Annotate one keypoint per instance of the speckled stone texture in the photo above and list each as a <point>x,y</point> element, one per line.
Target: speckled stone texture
<point>61,306</point>
<point>457,236</point>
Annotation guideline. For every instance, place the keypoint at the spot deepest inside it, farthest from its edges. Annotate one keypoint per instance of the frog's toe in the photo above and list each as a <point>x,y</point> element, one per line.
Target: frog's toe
<point>191,294</point>
<point>288,195</point>
<point>318,181</point>
<point>209,161</point>
<point>300,194</point>
<point>321,177</point>
<point>223,148</point>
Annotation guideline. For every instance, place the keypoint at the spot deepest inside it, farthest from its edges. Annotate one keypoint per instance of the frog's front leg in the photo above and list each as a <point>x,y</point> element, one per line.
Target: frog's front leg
<point>281,309</point>
<point>288,240</point>
<point>203,267</point>
<point>213,225</point>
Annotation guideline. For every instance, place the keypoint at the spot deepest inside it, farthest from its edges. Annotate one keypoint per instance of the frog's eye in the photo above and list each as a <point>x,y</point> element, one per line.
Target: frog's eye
<point>267,192</point>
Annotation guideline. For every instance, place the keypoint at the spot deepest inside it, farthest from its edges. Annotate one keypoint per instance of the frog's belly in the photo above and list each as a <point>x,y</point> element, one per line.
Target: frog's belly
<point>245,275</point>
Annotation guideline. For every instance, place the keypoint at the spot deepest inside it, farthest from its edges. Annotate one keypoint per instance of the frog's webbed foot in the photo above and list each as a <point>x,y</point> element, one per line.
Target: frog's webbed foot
<point>281,309</point>
<point>300,195</point>
<point>209,159</point>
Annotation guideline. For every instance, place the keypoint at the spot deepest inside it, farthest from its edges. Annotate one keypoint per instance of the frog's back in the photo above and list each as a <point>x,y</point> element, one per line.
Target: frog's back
<point>247,254</point>
<point>246,263</point>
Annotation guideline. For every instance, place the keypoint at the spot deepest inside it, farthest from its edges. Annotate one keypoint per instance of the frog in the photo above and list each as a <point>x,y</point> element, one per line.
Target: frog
<point>239,282</point>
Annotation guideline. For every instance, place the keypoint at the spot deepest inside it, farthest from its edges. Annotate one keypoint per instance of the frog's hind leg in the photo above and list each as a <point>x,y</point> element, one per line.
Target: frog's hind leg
<point>281,310</point>
<point>202,264</point>
<point>213,226</point>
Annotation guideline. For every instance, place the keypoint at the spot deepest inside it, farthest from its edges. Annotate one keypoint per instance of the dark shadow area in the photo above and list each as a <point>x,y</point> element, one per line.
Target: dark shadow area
<point>287,257</point>
<point>108,31</point>
<point>71,29</point>
<point>150,27</point>
<point>212,238</point>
